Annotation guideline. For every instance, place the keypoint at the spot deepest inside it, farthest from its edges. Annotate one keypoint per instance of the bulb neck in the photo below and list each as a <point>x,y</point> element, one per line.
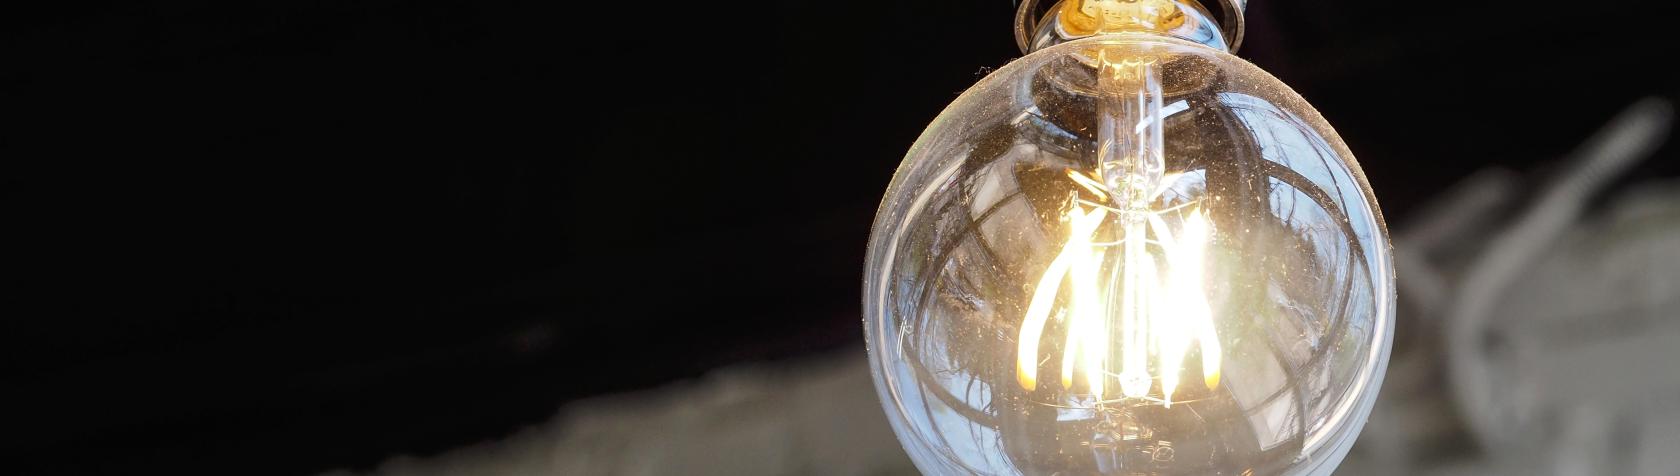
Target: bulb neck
<point>1040,24</point>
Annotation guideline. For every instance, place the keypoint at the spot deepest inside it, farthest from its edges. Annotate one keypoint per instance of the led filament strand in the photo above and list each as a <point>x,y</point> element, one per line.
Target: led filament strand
<point>1156,316</point>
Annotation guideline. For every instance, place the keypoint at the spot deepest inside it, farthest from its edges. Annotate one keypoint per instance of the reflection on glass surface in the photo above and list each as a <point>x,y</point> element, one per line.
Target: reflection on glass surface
<point>1049,292</point>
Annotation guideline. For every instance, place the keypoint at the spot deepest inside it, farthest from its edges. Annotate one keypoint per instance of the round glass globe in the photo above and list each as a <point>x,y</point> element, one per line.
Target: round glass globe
<point>1031,311</point>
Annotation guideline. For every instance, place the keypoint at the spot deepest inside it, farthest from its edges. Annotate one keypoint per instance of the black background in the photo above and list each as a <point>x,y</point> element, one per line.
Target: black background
<point>285,236</point>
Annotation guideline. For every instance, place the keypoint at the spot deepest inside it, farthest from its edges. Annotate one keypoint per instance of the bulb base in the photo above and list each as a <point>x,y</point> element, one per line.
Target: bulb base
<point>1041,24</point>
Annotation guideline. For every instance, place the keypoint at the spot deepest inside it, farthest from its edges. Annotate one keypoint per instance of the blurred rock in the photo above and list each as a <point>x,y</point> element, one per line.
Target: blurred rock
<point>816,416</point>
<point>1542,322</point>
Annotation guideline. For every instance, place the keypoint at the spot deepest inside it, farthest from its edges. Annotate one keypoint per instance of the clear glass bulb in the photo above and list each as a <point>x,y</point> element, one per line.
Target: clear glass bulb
<point>1128,252</point>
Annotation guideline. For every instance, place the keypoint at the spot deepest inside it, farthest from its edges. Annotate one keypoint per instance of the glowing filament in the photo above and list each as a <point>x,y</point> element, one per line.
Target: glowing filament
<point>1157,318</point>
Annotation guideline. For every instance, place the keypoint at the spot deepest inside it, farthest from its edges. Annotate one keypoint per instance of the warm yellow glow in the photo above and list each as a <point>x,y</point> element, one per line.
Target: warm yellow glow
<point>1085,17</point>
<point>1038,310</point>
<point>1184,314</point>
<point>1158,317</point>
<point>1091,185</point>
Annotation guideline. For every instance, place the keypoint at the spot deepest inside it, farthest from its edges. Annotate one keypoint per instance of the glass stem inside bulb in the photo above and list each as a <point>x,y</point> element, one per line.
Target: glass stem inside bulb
<point>1132,166</point>
<point>1130,300</point>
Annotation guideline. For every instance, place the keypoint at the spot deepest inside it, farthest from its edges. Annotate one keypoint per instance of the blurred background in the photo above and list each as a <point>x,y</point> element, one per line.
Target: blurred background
<point>415,237</point>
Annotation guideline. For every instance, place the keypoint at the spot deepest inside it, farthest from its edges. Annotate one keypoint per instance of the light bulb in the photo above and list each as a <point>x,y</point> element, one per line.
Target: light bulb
<point>1128,252</point>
